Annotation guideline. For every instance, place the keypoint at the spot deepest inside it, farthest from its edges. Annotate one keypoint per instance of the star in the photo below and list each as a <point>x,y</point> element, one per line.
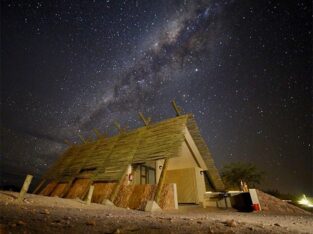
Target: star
<point>245,76</point>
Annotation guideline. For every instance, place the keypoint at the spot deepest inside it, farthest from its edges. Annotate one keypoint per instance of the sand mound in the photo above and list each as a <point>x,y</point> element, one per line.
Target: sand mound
<point>275,205</point>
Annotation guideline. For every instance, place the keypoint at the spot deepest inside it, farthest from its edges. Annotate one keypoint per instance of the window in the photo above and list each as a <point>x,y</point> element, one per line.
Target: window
<point>147,175</point>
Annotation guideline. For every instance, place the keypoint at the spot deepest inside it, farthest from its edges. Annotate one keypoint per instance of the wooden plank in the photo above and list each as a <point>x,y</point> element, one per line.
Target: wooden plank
<point>39,186</point>
<point>68,186</point>
<point>134,196</point>
<point>140,195</point>
<point>58,190</point>
<point>102,191</point>
<point>122,181</point>
<point>122,197</point>
<point>161,181</point>
<point>49,188</point>
<point>79,189</point>
<point>167,201</point>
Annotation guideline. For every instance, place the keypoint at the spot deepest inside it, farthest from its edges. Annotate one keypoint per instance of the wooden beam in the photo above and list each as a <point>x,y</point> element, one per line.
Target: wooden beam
<point>89,196</point>
<point>81,138</point>
<point>146,121</point>
<point>177,109</point>
<point>119,128</point>
<point>194,150</point>
<point>121,181</point>
<point>39,186</point>
<point>67,188</point>
<point>25,187</point>
<point>118,185</point>
<point>161,182</point>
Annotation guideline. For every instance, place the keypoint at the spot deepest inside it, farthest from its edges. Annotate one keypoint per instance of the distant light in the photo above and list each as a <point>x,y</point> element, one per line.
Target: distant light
<point>305,202</point>
<point>196,70</point>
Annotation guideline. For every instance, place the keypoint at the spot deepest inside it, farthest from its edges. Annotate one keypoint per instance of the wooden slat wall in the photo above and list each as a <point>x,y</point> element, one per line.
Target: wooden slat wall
<point>167,201</point>
<point>135,196</point>
<point>102,191</point>
<point>79,189</point>
<point>123,196</point>
<point>140,195</point>
<point>58,190</point>
<point>48,189</point>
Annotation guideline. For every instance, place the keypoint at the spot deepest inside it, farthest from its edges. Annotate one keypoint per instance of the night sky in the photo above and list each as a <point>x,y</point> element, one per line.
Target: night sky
<point>244,68</point>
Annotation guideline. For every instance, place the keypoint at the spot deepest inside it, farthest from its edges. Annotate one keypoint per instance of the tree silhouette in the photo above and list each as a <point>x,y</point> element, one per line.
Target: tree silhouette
<point>233,173</point>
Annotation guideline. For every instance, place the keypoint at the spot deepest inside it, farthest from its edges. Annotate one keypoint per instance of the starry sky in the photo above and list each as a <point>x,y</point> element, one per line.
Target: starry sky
<point>244,68</point>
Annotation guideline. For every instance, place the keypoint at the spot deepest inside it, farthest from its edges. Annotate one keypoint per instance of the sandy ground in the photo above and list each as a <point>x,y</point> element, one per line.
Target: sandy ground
<point>38,214</point>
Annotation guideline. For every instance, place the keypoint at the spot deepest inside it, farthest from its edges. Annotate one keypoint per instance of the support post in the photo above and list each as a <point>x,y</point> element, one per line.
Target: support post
<point>153,205</point>
<point>89,196</point>
<point>25,187</point>
<point>122,179</point>
<point>161,182</point>
<point>118,186</point>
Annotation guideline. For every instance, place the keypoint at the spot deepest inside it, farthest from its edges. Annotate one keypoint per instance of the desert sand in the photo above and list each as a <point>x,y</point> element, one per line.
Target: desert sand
<point>39,214</point>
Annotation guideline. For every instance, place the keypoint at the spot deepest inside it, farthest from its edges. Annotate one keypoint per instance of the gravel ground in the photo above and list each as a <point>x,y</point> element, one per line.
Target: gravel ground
<point>39,214</point>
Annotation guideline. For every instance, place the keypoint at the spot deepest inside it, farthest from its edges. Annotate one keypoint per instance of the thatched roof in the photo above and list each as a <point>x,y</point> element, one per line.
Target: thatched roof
<point>111,156</point>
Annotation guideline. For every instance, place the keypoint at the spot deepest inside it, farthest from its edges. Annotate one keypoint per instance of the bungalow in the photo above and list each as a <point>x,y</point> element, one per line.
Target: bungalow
<point>166,162</point>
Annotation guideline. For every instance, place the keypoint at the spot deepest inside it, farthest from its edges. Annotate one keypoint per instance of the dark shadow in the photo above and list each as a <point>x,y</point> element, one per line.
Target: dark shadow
<point>8,194</point>
<point>242,202</point>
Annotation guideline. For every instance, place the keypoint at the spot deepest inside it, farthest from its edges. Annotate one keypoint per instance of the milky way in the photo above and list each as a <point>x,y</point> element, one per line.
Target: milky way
<point>243,68</point>
<point>159,64</point>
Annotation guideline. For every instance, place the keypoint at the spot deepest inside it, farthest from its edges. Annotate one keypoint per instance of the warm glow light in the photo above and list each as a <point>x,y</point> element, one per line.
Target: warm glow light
<point>304,201</point>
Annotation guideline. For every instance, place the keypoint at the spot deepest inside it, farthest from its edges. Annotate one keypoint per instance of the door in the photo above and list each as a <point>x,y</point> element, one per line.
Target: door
<point>190,185</point>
